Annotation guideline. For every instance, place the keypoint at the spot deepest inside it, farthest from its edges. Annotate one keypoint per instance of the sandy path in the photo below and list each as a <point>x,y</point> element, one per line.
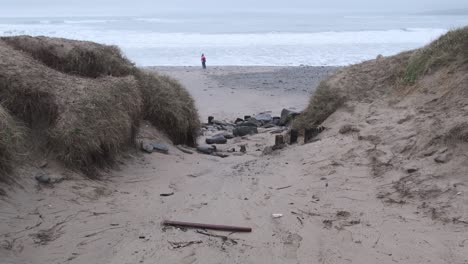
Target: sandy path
<point>330,211</point>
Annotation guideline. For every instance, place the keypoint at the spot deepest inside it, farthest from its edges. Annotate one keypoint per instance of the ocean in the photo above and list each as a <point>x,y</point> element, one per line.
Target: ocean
<point>273,38</point>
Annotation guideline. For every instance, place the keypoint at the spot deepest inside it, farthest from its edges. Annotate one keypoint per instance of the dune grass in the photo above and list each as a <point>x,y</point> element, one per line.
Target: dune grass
<point>11,136</point>
<point>449,48</point>
<point>324,102</point>
<point>169,107</point>
<point>85,100</point>
<point>80,58</point>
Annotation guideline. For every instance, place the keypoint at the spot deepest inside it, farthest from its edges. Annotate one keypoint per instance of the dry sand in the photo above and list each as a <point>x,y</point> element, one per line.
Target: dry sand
<point>326,191</point>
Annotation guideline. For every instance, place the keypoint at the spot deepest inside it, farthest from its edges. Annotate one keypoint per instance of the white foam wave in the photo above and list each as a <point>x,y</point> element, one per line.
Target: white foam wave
<point>321,48</point>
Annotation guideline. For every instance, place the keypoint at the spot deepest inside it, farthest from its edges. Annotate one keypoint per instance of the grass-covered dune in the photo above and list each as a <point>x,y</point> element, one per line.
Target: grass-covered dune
<point>85,101</point>
<point>440,66</point>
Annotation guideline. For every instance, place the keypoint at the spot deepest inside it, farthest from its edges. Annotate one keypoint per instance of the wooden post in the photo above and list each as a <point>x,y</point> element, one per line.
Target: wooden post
<point>294,134</point>
<point>279,140</point>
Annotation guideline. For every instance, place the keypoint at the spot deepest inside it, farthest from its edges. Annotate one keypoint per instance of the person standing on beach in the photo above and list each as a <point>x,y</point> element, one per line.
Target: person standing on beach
<point>203,61</point>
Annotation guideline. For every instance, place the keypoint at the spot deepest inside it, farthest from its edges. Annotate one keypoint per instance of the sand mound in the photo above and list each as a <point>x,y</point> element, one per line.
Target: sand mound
<point>11,134</point>
<point>87,122</point>
<point>412,109</point>
<point>84,101</point>
<point>82,58</point>
<point>169,107</point>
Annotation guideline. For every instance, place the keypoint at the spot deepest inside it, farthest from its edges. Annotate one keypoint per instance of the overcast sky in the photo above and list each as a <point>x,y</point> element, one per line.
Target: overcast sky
<point>145,7</point>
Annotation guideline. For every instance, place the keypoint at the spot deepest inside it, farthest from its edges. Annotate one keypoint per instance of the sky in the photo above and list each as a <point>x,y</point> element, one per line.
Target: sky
<point>147,7</point>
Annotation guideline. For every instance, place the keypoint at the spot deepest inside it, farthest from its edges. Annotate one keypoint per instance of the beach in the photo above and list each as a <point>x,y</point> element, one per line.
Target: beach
<point>306,203</point>
<point>230,92</point>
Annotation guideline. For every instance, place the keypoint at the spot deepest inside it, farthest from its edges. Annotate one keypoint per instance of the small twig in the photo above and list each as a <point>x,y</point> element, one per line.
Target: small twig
<point>107,229</point>
<point>300,220</point>
<point>309,213</point>
<point>166,194</point>
<point>285,187</point>
<point>377,241</point>
<point>224,238</point>
<point>176,245</point>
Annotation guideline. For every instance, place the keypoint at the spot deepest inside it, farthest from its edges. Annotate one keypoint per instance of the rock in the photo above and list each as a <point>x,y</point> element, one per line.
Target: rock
<point>247,117</point>
<point>146,146</point>
<point>264,117</point>
<point>348,129</point>
<point>225,134</point>
<point>241,131</point>
<point>411,170</point>
<point>238,120</point>
<point>42,178</point>
<point>219,139</point>
<point>160,147</point>
<point>206,149</point>
<point>275,120</point>
<point>251,122</point>
<point>210,120</point>
<point>287,116</point>
<point>269,125</point>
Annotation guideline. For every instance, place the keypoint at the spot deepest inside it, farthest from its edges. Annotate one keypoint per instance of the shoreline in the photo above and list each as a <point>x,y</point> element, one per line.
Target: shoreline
<point>228,92</point>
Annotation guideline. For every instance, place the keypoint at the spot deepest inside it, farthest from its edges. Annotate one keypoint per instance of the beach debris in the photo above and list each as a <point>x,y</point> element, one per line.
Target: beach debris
<point>241,131</point>
<point>344,214</point>
<point>277,215</point>
<point>166,194</point>
<point>328,223</point>
<point>285,187</point>
<point>300,220</point>
<point>218,139</point>
<point>142,237</point>
<point>176,245</point>
<point>207,226</point>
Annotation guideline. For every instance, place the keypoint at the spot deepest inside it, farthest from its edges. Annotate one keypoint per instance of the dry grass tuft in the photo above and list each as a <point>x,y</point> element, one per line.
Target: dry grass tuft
<point>323,103</point>
<point>11,136</point>
<point>448,49</point>
<point>81,58</point>
<point>169,107</point>
<point>86,122</point>
<point>458,133</point>
<point>69,95</point>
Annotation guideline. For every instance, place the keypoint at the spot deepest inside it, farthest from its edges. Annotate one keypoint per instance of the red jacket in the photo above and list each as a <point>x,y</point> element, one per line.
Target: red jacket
<point>203,58</point>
